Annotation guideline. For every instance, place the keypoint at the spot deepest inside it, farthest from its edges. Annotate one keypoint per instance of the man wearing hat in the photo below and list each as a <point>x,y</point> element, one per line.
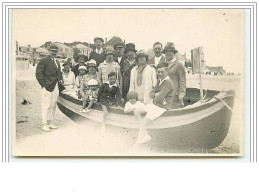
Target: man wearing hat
<point>120,56</point>
<point>176,72</point>
<point>143,78</point>
<point>48,74</point>
<point>98,54</point>
<point>81,59</point>
<point>126,68</point>
<point>158,58</point>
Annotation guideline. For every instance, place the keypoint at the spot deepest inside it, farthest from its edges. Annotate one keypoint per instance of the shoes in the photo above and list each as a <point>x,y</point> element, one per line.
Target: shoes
<point>51,126</point>
<point>46,128</point>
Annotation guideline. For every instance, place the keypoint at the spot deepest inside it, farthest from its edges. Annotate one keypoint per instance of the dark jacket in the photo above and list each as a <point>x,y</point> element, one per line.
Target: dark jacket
<point>48,74</point>
<point>109,96</point>
<point>164,94</point>
<point>99,58</point>
<point>124,57</point>
<point>125,73</point>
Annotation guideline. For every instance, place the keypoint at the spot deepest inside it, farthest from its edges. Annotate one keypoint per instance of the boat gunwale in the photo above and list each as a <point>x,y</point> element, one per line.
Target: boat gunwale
<point>172,112</point>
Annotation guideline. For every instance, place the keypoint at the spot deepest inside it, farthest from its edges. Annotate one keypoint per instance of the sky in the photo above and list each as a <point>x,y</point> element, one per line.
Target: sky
<point>219,31</point>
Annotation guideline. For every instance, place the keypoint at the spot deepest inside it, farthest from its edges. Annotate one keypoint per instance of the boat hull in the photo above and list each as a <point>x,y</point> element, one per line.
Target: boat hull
<point>204,126</point>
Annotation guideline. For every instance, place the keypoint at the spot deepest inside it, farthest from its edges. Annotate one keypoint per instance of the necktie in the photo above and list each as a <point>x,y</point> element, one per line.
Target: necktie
<point>54,60</point>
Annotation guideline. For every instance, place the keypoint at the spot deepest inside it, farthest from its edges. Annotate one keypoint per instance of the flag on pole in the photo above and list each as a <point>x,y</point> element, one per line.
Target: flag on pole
<point>197,60</point>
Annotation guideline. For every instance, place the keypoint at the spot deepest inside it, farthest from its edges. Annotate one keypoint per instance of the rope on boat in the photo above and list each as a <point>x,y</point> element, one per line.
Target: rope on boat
<point>223,102</point>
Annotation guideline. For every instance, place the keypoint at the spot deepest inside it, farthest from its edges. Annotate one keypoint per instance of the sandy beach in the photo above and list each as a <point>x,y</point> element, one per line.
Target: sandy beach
<point>72,139</point>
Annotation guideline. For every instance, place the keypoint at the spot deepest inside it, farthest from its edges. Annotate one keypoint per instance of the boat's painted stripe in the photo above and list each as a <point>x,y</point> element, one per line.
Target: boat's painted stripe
<point>131,122</point>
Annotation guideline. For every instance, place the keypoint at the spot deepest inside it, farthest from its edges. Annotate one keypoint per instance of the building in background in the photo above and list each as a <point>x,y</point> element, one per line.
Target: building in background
<point>83,49</point>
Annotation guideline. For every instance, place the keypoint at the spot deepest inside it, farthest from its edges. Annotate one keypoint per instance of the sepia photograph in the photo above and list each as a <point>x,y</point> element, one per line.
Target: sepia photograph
<point>127,82</point>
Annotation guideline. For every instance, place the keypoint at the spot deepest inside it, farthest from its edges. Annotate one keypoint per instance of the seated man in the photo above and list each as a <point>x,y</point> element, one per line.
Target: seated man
<point>162,96</point>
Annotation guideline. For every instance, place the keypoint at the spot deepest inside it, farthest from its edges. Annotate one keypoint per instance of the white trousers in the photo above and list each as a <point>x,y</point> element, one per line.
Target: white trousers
<point>48,104</point>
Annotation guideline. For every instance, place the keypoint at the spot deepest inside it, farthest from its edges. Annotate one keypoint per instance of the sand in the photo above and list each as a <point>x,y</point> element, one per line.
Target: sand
<point>72,139</point>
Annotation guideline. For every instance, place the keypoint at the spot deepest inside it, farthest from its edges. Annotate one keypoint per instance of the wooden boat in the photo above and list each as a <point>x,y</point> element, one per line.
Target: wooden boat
<point>196,125</point>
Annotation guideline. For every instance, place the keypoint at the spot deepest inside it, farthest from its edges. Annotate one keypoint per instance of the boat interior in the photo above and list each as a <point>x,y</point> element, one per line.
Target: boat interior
<point>191,99</point>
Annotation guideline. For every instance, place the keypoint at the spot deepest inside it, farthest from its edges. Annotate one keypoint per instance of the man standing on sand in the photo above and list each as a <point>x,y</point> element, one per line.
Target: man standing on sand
<point>176,72</point>
<point>48,74</point>
<point>157,49</point>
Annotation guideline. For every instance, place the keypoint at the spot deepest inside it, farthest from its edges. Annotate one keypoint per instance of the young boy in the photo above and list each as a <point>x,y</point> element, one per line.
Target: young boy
<point>109,95</point>
<point>135,106</point>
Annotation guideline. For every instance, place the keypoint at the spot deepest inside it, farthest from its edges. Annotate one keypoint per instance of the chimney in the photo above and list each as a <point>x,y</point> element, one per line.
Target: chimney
<point>106,40</point>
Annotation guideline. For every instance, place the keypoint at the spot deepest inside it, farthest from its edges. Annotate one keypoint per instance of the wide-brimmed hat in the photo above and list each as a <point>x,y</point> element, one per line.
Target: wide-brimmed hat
<point>53,47</point>
<point>132,94</point>
<point>169,46</point>
<point>141,53</point>
<point>67,63</point>
<point>98,38</point>
<point>130,46</point>
<point>91,62</point>
<point>82,68</point>
<point>81,56</point>
<point>119,45</point>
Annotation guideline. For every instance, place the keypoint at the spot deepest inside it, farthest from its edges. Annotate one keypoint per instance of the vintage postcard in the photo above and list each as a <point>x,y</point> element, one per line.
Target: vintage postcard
<point>128,82</point>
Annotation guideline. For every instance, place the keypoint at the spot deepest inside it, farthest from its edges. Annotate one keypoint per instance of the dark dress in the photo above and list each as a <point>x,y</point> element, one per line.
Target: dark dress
<point>125,73</point>
<point>109,96</point>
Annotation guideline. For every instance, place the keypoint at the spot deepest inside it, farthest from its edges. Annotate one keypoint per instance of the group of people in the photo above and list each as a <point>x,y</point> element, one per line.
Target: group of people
<point>120,76</point>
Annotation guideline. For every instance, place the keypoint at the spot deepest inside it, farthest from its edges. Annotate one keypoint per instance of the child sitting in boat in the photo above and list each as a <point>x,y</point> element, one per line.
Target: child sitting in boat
<point>89,95</point>
<point>109,95</point>
<point>82,73</point>
<point>135,106</point>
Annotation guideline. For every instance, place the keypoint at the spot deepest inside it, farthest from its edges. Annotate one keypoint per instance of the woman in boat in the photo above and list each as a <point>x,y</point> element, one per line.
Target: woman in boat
<point>109,95</point>
<point>69,80</point>
<point>143,78</point>
<point>109,65</point>
<point>126,68</point>
<point>92,74</point>
<point>162,96</point>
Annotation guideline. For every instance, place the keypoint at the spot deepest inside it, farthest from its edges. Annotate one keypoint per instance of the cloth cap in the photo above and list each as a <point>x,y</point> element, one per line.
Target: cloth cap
<point>98,38</point>
<point>120,44</point>
<point>54,47</point>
